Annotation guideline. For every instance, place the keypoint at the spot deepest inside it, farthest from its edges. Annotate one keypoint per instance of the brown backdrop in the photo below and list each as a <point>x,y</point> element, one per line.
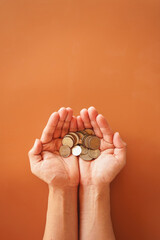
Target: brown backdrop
<point>58,53</point>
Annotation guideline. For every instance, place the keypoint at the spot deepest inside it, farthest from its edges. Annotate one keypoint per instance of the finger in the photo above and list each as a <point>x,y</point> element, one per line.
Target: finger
<point>92,112</point>
<point>73,124</point>
<point>105,128</point>
<point>120,147</point>
<point>118,142</point>
<point>48,131</point>
<point>85,118</point>
<point>80,124</point>
<point>67,121</point>
<point>35,153</point>
<point>62,114</point>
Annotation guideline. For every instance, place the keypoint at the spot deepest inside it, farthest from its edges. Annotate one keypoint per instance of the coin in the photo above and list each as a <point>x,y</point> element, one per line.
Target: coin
<point>94,153</point>
<point>86,157</point>
<point>70,136</point>
<point>65,151</point>
<point>94,142</point>
<point>84,150</point>
<point>68,141</point>
<point>83,131</point>
<point>89,131</point>
<point>76,137</point>
<point>76,151</point>
<point>81,135</point>
<point>85,140</point>
<point>81,143</point>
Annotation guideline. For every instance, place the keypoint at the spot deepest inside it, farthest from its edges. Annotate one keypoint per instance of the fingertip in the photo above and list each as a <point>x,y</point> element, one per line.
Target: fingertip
<point>91,108</point>
<point>69,109</point>
<point>36,142</point>
<point>55,115</point>
<point>117,133</point>
<point>117,140</point>
<point>62,108</point>
<point>37,146</point>
<point>79,119</point>
<point>83,110</point>
<point>119,136</point>
<point>62,111</point>
<point>100,115</point>
<point>99,118</point>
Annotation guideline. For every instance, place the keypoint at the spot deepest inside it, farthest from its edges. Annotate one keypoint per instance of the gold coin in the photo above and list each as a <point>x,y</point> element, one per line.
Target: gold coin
<point>68,141</point>
<point>89,131</point>
<point>76,151</point>
<point>84,150</point>
<point>76,137</point>
<point>86,157</point>
<point>64,151</point>
<point>94,142</point>
<point>94,153</point>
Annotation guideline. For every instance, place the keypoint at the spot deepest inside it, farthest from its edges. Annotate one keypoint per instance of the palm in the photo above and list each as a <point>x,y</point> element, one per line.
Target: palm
<point>57,169</point>
<point>107,165</point>
<point>50,166</point>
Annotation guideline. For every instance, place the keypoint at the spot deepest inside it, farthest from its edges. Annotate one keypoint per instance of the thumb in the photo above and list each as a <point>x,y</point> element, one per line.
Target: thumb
<point>120,147</point>
<point>35,153</point>
<point>117,141</point>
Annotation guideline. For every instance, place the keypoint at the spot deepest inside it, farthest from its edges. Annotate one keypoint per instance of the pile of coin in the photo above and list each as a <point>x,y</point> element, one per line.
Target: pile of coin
<point>81,143</point>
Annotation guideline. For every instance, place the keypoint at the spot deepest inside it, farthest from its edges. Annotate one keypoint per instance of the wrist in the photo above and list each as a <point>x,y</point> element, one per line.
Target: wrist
<point>62,190</point>
<point>95,181</point>
<point>95,185</point>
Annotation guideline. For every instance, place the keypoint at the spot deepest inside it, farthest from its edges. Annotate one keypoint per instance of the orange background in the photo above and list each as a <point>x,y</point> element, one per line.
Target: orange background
<point>78,54</point>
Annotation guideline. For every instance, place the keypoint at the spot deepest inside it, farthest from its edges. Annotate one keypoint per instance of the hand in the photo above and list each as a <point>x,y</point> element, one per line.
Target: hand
<point>113,150</point>
<point>45,160</point>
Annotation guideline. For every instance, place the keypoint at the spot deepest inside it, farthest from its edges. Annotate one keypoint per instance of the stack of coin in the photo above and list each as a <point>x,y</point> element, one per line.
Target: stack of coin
<point>81,143</point>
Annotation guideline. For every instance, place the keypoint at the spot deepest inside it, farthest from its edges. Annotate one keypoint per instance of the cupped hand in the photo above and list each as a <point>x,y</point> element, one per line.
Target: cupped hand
<point>45,160</point>
<point>113,150</point>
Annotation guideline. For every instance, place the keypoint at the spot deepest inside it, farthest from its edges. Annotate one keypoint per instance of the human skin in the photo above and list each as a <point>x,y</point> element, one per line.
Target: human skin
<point>96,176</point>
<point>61,175</point>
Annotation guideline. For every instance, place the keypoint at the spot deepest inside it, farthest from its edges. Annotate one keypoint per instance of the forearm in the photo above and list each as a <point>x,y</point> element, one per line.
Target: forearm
<point>95,219</point>
<point>62,217</point>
